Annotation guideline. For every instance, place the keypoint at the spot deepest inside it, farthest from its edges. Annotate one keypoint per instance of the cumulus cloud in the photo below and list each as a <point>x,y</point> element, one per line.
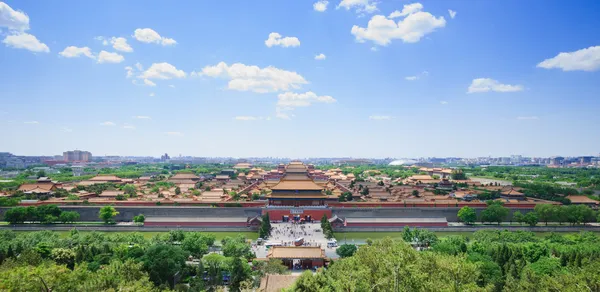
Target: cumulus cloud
<point>406,10</point>
<point>108,57</point>
<point>162,71</point>
<point>253,78</point>
<point>276,39</point>
<point>32,122</point>
<point>452,13</point>
<point>585,60</point>
<point>443,102</point>
<point>128,127</point>
<point>288,101</point>
<point>76,52</point>
<point>320,5</point>
<point>174,133</point>
<point>151,94</point>
<point>487,84</point>
<point>148,35</point>
<point>149,83</point>
<point>13,19</point>
<point>142,117</point>
<point>380,118</point>
<point>528,118</point>
<point>129,70</point>
<point>320,57</point>
<point>361,6</point>
<point>171,85</point>
<point>382,30</point>
<point>120,44</point>
<point>108,123</point>
<point>25,41</point>
<point>417,77</point>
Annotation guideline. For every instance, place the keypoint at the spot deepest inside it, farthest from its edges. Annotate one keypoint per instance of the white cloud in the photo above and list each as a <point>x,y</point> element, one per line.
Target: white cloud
<point>320,5</point>
<point>66,130</point>
<point>139,66</point>
<point>528,118</point>
<point>380,118</point>
<point>162,71</point>
<point>374,49</point>
<point>149,83</point>
<point>108,123</point>
<point>288,101</point>
<point>361,6</point>
<point>174,133</point>
<point>417,77</point>
<point>276,39</point>
<point>128,127</point>
<point>443,102</point>
<point>382,30</point>
<point>585,60</point>
<point>129,70</point>
<point>142,117</point>
<point>32,122</point>
<point>120,44</point>
<point>320,57</point>
<point>107,57</point>
<point>486,84</point>
<point>292,99</point>
<point>102,39</point>
<point>148,35</point>
<point>406,10</point>
<point>452,13</point>
<point>13,19</point>
<point>171,85</point>
<point>151,94</point>
<point>76,52</point>
<point>253,78</point>
<point>247,118</point>
<point>25,41</point>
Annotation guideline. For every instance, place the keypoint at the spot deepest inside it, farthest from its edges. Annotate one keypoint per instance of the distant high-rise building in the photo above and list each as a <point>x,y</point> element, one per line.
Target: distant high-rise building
<point>557,161</point>
<point>585,160</point>
<point>77,155</point>
<point>165,157</point>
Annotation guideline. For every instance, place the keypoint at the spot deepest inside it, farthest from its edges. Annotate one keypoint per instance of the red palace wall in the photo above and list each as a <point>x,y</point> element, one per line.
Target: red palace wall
<point>415,224</point>
<point>277,214</point>
<point>197,224</point>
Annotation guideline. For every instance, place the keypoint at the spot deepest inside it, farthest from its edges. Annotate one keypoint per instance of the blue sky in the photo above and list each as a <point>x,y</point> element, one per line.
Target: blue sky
<point>209,78</point>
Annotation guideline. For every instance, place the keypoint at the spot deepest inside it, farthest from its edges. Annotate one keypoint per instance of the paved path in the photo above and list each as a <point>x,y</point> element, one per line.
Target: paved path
<point>286,233</point>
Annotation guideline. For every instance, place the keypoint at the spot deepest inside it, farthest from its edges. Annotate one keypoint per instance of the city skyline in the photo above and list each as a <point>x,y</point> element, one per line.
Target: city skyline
<point>300,79</point>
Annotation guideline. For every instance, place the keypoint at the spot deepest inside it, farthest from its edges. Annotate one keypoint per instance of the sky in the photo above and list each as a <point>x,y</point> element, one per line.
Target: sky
<point>302,78</point>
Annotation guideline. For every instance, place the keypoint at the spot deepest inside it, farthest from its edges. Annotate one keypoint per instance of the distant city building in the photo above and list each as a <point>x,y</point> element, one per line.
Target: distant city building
<point>165,157</point>
<point>557,161</point>
<point>77,155</point>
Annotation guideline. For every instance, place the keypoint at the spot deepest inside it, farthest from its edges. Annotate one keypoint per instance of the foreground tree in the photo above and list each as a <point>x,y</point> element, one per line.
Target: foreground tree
<point>163,262</point>
<point>495,212</point>
<point>346,250</point>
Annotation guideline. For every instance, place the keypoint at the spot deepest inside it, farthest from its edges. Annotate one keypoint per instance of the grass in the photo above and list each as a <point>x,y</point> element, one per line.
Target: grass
<point>340,236</point>
<point>149,234</point>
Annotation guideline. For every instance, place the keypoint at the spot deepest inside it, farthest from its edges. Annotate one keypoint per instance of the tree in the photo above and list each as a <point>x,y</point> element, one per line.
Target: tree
<point>129,190</point>
<point>214,264</point>
<point>139,219</point>
<point>495,212</point>
<point>15,215</point>
<point>519,217</point>
<point>107,214</point>
<point>68,217</point>
<point>163,262</point>
<point>197,244</point>
<point>458,174</point>
<point>239,273</point>
<point>531,218</point>
<point>63,256</point>
<point>346,250</point>
<point>120,197</point>
<point>264,231</point>
<point>177,191</point>
<point>467,215</point>
<point>546,212</point>
<point>415,193</point>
